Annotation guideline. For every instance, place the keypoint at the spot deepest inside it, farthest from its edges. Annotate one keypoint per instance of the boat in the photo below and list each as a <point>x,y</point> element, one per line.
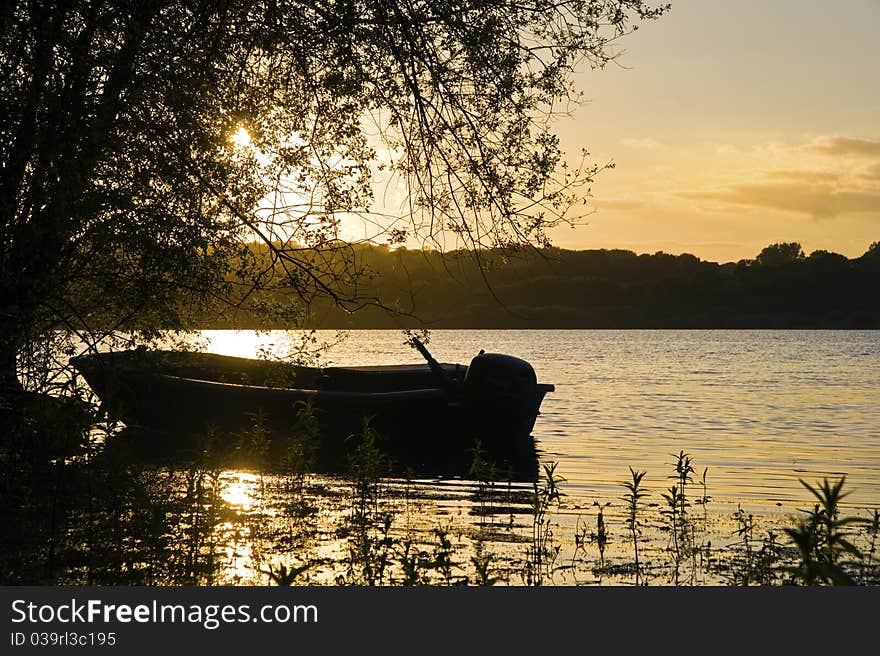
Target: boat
<point>427,419</point>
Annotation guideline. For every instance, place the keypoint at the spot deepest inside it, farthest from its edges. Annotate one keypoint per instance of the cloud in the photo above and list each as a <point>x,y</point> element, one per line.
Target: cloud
<point>811,176</point>
<point>790,178</point>
<point>816,200</point>
<point>646,143</point>
<point>613,204</point>
<point>872,173</point>
<point>844,146</point>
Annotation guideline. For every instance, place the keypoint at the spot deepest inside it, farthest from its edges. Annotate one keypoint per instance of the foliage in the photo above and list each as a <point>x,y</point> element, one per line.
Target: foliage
<point>752,564</point>
<point>147,144</point>
<point>558,288</point>
<point>676,512</point>
<point>282,575</point>
<point>370,543</point>
<point>302,446</point>
<point>823,539</point>
<point>482,561</point>
<point>779,254</point>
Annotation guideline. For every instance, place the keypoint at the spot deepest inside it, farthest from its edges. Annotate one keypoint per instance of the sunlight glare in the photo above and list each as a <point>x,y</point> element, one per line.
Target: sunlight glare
<point>241,490</point>
<point>241,138</point>
<point>243,343</point>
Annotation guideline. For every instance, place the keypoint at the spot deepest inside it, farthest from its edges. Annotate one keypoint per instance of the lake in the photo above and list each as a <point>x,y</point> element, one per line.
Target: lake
<point>759,408</point>
<point>757,411</point>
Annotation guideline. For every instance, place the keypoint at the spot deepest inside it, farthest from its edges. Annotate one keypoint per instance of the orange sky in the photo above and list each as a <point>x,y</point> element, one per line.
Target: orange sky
<point>733,125</point>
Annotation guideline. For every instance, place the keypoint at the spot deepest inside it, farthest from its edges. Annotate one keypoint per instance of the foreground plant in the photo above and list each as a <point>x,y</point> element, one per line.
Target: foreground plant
<point>302,447</point>
<point>634,495</point>
<point>282,575</point>
<point>483,563</point>
<point>601,535</point>
<point>681,526</point>
<point>542,552</point>
<point>370,544</point>
<point>755,561</point>
<point>822,538</point>
<point>872,530</point>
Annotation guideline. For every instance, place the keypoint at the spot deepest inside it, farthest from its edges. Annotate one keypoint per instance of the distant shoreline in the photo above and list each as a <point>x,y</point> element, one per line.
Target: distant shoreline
<point>592,289</point>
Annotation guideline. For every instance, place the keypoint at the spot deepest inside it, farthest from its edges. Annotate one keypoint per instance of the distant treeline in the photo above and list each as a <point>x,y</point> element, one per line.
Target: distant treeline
<point>554,288</point>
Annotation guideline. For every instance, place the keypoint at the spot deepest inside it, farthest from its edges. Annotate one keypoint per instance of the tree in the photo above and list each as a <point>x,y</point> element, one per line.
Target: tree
<point>146,144</point>
<point>782,253</point>
<point>870,259</point>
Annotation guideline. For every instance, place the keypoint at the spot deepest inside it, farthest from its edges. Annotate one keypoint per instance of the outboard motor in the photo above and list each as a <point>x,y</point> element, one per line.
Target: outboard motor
<point>501,393</point>
<point>497,403</point>
<point>503,382</point>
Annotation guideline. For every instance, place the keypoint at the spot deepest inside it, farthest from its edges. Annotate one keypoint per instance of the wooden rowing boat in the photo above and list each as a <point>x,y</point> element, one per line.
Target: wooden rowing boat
<point>427,418</point>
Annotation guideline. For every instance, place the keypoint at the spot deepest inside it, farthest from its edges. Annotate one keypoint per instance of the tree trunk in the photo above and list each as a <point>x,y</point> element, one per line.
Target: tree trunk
<point>9,382</point>
<point>11,390</point>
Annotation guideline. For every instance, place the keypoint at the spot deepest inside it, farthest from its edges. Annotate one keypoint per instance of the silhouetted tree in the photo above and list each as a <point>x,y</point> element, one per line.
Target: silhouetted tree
<point>827,260</point>
<point>782,253</point>
<point>619,289</point>
<point>144,143</point>
<point>870,260</point>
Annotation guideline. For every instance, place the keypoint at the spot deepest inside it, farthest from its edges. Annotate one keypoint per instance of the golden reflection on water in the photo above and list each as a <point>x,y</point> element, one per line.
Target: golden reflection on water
<point>239,552</point>
<point>241,490</point>
<point>242,343</point>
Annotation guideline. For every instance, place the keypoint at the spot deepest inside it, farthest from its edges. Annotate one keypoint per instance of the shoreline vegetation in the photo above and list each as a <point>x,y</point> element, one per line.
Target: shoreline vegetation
<point>782,287</point>
<point>103,517</point>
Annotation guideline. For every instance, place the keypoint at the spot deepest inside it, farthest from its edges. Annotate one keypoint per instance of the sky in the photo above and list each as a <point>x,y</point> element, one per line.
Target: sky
<point>733,124</point>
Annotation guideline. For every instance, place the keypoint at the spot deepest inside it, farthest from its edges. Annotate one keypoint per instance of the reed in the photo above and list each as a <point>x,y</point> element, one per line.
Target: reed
<point>542,551</point>
<point>872,529</point>
<point>442,557</point>
<point>301,449</point>
<point>485,473</point>
<point>633,498</point>
<point>413,563</point>
<point>601,536</point>
<point>370,543</point>
<point>755,560</point>
<point>484,565</point>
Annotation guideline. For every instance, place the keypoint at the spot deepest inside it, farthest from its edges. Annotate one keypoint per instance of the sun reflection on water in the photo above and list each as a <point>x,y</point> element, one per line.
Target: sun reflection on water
<point>239,343</point>
<point>243,493</point>
<point>241,490</point>
<point>254,343</point>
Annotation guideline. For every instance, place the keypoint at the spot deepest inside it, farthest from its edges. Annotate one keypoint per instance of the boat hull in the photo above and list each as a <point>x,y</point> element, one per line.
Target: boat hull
<point>421,431</point>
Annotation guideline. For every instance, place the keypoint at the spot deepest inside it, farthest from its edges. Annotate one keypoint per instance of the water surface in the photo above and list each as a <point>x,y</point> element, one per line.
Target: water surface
<point>760,408</point>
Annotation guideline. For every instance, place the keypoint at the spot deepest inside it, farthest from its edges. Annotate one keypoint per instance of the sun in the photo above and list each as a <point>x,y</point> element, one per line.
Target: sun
<point>241,138</point>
